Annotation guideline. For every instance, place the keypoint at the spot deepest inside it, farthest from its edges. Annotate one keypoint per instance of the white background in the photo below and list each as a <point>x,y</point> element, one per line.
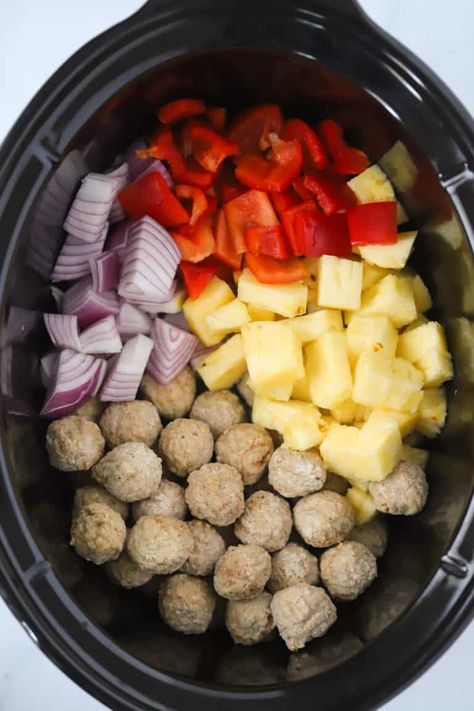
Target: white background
<point>35,39</point>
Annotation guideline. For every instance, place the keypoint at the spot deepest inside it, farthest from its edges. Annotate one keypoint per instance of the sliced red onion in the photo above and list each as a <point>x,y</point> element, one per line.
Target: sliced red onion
<point>171,305</point>
<point>201,352</point>
<point>100,376</point>
<point>63,330</point>
<point>48,366</point>
<point>178,320</point>
<point>172,350</point>
<point>131,320</point>
<point>105,271</point>
<point>90,210</point>
<point>101,337</point>
<point>136,165</point>
<point>87,304</point>
<point>121,175</point>
<point>126,370</point>
<point>118,237</point>
<point>75,257</point>
<point>57,295</point>
<point>77,377</point>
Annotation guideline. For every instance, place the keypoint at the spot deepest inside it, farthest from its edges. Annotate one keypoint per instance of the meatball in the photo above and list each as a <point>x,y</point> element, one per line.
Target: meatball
<point>160,544</point>
<point>186,603</point>
<point>250,621</point>
<point>186,445</point>
<point>245,391</point>
<point>91,409</point>
<point>292,565</point>
<point>294,473</point>
<point>95,494</point>
<point>136,421</point>
<point>215,493</point>
<point>125,572</point>
<point>242,572</point>
<point>219,410</point>
<point>174,399</point>
<point>247,448</point>
<point>74,443</point>
<point>266,521</point>
<point>404,491</point>
<point>98,533</point>
<point>323,519</point>
<point>301,613</point>
<point>168,500</point>
<point>131,471</point>
<point>373,535</point>
<point>347,570</point>
<point>208,548</point>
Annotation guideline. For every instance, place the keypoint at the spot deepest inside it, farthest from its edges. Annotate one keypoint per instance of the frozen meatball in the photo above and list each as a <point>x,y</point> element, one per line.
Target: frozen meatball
<point>98,533</point>
<point>136,421</point>
<point>323,519</point>
<point>74,443</point>
<point>215,492</point>
<point>174,399</point>
<point>242,572</point>
<point>373,535</point>
<point>301,613</point>
<point>404,491</point>
<point>292,565</point>
<point>347,570</point>
<point>293,473</point>
<point>160,545</point>
<point>186,445</point>
<point>266,521</point>
<point>168,500</point>
<point>91,409</point>
<point>336,483</point>
<point>131,471</point>
<point>186,603</point>
<point>208,548</point>
<point>95,494</point>
<point>219,410</point>
<point>246,447</point>
<point>250,621</point>
<point>245,391</point>
<point>125,572</point>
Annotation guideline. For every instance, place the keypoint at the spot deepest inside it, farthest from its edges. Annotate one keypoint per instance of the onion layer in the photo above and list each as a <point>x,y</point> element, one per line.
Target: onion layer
<point>131,320</point>
<point>126,370</point>
<point>90,210</point>
<point>87,304</point>
<point>105,271</point>
<point>101,337</point>
<point>63,330</point>
<point>172,350</point>
<point>77,377</point>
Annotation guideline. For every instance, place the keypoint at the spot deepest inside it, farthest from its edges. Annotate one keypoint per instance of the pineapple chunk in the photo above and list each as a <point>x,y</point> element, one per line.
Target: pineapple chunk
<point>400,167</point>
<point>415,456</point>
<point>370,333</point>
<point>422,295</point>
<point>312,305</point>
<point>388,383</point>
<point>225,366</point>
<point>344,413</point>
<point>371,274</point>
<point>372,185</point>
<point>301,387</point>
<point>228,318</point>
<point>274,358</point>
<point>284,299</point>
<point>407,421</point>
<point>432,412</point>
<point>256,313</point>
<point>392,296</point>
<point>363,505</point>
<point>216,294</point>
<point>311,326</point>
<point>298,422</point>
<point>330,378</point>
<point>339,283</point>
<point>390,256</point>
<point>426,348</point>
<point>417,322</point>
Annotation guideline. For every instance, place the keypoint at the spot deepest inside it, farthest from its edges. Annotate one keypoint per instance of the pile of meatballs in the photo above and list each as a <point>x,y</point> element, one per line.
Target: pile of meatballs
<point>214,506</point>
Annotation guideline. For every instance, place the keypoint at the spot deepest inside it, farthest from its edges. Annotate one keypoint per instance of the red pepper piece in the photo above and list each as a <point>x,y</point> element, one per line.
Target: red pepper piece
<point>373,223</point>
<point>150,195</point>
<point>324,234</point>
<point>196,277</point>
<point>229,191</point>
<point>225,246</point>
<point>274,175</point>
<point>211,205</point>
<point>198,198</point>
<point>269,241</point>
<point>197,244</point>
<point>218,117</point>
<point>183,171</point>
<point>208,148</point>
<point>315,153</point>
<point>282,201</point>
<point>223,271</point>
<point>292,228</point>
<point>250,209</point>
<point>275,271</point>
<point>299,188</point>
<point>181,109</point>
<point>346,160</point>
<point>251,128</point>
<point>331,192</point>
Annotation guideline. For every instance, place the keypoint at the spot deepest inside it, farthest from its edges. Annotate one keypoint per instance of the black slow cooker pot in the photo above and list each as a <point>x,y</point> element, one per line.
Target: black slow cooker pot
<point>316,58</point>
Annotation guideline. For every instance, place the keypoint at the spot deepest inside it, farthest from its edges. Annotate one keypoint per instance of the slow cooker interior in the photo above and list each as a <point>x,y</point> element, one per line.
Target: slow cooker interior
<point>304,88</point>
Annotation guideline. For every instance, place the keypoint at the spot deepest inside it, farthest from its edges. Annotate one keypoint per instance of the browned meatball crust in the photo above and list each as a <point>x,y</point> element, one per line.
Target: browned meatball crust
<point>74,443</point>
<point>130,472</point>
<point>98,533</point>
<point>323,519</point>
<point>347,570</point>
<point>219,410</point>
<point>246,447</point>
<point>186,445</point>
<point>215,492</point>
<point>174,399</point>
<point>135,421</point>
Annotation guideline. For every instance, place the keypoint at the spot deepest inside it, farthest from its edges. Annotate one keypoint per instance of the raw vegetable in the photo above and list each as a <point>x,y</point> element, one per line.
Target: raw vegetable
<point>251,128</point>
<point>269,241</point>
<point>315,153</point>
<point>105,271</point>
<point>330,191</point>
<point>126,369</point>
<point>89,214</point>
<point>196,277</point>
<point>131,320</point>
<point>373,223</point>
<point>199,243</point>
<point>275,173</point>
<point>77,377</point>
<point>225,248</point>
<point>275,271</point>
<point>101,337</point>
<point>172,350</point>
<point>88,305</point>
<point>63,330</point>
<point>181,109</point>
<point>251,209</point>
<point>150,195</point>
<point>207,147</point>
<point>345,159</point>
<point>74,259</point>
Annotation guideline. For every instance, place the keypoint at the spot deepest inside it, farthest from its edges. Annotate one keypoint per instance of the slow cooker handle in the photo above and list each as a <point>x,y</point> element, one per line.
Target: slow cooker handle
<point>342,8</point>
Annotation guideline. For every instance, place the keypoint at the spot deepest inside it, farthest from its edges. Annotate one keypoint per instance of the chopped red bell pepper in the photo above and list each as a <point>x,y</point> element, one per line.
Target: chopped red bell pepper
<point>299,188</point>
<point>276,174</point>
<point>198,198</point>
<point>373,223</point>
<point>282,201</point>
<point>250,209</point>
<point>269,241</point>
<point>225,247</point>
<point>197,244</point>
<point>290,223</point>
<point>223,271</point>
<point>196,277</point>
<point>208,148</point>
<point>313,147</point>
<point>251,128</point>
<point>181,109</point>
<point>183,171</point>
<point>332,193</point>
<point>324,234</point>
<point>346,160</point>
<point>150,195</point>
<point>218,117</point>
<point>275,271</point>
<point>229,191</point>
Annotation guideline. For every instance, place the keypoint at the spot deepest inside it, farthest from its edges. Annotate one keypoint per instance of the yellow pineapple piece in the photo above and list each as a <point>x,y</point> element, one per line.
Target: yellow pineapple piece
<point>426,348</point>
<point>329,372</point>
<point>371,274</point>
<point>311,326</point>
<point>301,387</point>
<point>284,299</point>
<point>422,295</point>
<point>432,412</point>
<point>370,333</point>
<point>362,503</point>
<point>344,413</point>
<point>298,422</point>
<point>339,283</point>
<point>415,456</point>
<point>216,294</point>
<point>392,296</point>
<point>388,383</point>
<point>417,322</point>
<point>400,167</point>
<point>407,421</point>
<point>390,256</point>
<point>372,185</point>
<point>228,318</point>
<point>225,366</point>
<point>256,313</point>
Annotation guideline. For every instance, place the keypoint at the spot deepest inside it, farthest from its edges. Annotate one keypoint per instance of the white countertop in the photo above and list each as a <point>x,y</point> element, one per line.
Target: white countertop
<point>31,48</point>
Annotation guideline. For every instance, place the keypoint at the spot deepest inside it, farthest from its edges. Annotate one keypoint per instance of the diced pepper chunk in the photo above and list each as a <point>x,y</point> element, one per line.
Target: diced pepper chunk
<point>274,175</point>
<point>181,109</point>
<point>150,195</point>
<point>199,243</point>
<point>315,153</point>
<point>373,223</point>
<point>269,241</point>
<point>251,128</point>
<point>331,192</point>
<point>346,160</point>
<point>196,277</point>
<point>208,147</point>
<point>275,271</point>
<point>251,209</point>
